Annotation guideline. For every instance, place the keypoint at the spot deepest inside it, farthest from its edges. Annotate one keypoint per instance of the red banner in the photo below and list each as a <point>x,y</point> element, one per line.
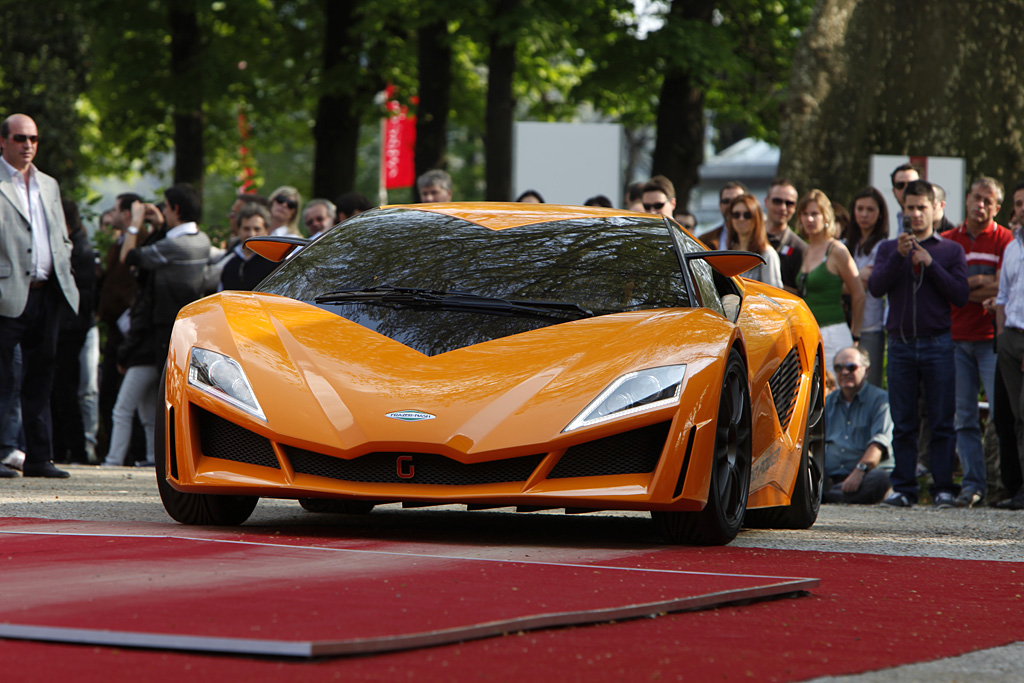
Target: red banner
<point>398,145</point>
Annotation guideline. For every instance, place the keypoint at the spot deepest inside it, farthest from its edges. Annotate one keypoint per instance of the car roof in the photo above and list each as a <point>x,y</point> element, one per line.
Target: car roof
<point>501,215</point>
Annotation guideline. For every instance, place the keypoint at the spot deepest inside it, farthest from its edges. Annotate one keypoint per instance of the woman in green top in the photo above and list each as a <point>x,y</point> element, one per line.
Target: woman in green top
<point>826,268</point>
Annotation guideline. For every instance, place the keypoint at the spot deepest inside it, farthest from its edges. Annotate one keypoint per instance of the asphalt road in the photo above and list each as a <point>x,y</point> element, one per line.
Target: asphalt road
<point>125,495</point>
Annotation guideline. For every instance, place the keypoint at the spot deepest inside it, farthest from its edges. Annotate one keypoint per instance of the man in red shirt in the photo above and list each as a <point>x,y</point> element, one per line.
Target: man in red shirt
<point>983,241</point>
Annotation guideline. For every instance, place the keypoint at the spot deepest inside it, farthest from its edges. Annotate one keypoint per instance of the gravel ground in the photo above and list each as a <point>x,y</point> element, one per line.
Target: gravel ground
<point>129,495</point>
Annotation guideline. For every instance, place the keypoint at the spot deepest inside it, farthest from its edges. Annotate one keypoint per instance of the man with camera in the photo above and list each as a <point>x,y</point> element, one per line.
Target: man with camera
<point>922,274</point>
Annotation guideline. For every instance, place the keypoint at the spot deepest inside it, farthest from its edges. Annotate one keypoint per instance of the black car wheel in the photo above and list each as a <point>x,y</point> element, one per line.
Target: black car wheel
<point>193,508</point>
<point>805,502</point>
<point>720,520</point>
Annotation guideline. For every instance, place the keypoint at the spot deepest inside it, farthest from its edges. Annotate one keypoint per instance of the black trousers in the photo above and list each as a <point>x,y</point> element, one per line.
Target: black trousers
<point>36,330</point>
<point>69,437</point>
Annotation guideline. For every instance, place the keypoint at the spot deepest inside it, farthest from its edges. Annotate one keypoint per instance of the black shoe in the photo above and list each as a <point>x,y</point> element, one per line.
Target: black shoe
<point>6,472</point>
<point>1015,503</point>
<point>46,469</point>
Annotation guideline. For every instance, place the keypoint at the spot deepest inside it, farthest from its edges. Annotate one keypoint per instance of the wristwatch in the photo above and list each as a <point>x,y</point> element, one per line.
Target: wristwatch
<point>862,466</point>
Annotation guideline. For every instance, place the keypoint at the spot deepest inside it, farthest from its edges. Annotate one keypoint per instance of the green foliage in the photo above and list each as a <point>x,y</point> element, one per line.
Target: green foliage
<point>97,72</point>
<point>741,59</point>
<point>43,74</point>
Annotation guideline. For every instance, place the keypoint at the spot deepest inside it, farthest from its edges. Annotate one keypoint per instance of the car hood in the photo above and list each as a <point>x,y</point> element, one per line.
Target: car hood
<point>326,381</point>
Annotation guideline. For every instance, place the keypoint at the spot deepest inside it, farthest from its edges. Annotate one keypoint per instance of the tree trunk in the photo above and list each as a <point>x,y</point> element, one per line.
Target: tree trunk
<point>336,133</point>
<point>679,148</point>
<point>933,79</point>
<point>186,92</point>
<point>435,82</point>
<point>501,68</point>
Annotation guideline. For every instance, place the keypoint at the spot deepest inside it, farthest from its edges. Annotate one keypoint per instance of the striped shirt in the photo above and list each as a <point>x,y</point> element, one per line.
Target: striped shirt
<point>984,257</point>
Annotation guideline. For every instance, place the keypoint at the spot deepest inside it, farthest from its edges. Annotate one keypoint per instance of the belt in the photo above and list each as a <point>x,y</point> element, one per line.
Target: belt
<point>38,284</point>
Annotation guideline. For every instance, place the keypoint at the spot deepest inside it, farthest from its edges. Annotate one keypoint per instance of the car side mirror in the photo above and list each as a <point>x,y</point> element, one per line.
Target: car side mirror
<point>274,248</point>
<point>729,263</point>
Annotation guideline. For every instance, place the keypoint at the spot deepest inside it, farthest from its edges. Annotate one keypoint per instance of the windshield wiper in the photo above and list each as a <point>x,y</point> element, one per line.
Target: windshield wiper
<point>452,301</point>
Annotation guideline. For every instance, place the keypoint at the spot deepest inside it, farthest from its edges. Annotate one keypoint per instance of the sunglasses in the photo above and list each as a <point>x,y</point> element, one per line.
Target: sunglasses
<point>901,184</point>
<point>20,137</point>
<point>290,203</point>
<point>745,215</point>
<point>849,367</point>
<point>654,207</point>
<point>779,201</point>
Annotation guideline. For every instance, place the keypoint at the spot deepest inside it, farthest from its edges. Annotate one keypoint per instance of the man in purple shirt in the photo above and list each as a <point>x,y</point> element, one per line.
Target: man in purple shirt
<point>922,274</point>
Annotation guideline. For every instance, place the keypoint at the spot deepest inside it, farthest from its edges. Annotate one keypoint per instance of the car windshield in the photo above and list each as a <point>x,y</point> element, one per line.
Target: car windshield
<point>403,272</point>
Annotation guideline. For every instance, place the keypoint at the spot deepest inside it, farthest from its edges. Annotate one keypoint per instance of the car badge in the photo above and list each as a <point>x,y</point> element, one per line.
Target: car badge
<point>410,416</point>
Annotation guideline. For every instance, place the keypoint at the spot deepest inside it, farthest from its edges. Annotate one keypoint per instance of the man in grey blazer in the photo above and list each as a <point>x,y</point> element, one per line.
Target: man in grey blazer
<point>35,284</point>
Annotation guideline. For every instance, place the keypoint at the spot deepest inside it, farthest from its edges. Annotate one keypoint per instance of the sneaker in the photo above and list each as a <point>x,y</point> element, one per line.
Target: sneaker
<point>15,459</point>
<point>969,498</point>
<point>944,500</point>
<point>896,499</point>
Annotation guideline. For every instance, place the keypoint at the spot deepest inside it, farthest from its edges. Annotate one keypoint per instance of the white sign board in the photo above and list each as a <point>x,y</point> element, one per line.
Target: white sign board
<point>947,172</point>
<point>567,163</point>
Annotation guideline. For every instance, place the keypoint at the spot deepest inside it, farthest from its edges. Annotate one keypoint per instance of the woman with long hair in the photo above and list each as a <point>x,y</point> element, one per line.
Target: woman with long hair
<point>869,227</point>
<point>745,223</point>
<point>285,209</point>
<point>827,266</point>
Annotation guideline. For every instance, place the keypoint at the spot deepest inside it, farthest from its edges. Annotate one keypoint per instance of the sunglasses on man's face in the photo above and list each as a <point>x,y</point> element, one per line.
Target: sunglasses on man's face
<point>779,201</point>
<point>899,185</point>
<point>20,137</point>
<point>290,203</point>
<point>745,215</point>
<point>849,367</point>
<point>656,206</point>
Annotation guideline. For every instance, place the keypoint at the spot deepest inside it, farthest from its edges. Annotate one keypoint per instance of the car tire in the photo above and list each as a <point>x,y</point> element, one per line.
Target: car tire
<point>344,507</point>
<point>805,502</point>
<point>192,508</point>
<point>722,516</point>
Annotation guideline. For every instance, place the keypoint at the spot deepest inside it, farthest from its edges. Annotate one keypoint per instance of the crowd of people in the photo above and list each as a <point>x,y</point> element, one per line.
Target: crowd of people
<point>934,307</point>
<point>940,308</point>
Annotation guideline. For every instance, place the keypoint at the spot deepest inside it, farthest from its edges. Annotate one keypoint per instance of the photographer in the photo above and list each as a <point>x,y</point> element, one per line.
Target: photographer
<point>922,274</point>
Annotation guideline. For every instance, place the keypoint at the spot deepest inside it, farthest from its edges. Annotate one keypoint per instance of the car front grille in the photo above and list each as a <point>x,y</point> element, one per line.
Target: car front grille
<point>227,441</point>
<point>633,452</point>
<point>784,384</point>
<point>412,468</point>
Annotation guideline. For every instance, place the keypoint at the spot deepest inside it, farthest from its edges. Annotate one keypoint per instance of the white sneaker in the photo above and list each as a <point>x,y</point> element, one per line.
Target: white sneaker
<point>15,460</point>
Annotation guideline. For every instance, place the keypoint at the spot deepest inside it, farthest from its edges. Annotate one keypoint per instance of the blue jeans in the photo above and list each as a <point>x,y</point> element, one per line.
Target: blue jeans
<point>974,360</point>
<point>874,344</point>
<point>10,410</point>
<point>922,362</point>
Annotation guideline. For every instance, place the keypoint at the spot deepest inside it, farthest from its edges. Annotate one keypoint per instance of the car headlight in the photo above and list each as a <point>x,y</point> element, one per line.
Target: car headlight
<point>633,393</point>
<point>221,376</point>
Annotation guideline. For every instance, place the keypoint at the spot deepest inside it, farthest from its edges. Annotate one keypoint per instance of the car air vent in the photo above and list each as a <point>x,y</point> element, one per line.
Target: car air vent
<point>633,452</point>
<point>784,384</point>
<point>412,468</point>
<point>227,441</point>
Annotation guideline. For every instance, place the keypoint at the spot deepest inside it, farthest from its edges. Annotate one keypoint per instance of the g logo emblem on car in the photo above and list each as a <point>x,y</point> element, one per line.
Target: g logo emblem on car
<point>404,467</point>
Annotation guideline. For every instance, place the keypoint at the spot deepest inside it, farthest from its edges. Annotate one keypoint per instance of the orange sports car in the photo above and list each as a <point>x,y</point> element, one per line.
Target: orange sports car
<point>499,355</point>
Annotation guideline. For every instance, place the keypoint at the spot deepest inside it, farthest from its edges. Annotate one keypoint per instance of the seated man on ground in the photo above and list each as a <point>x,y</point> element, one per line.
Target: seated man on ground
<point>858,434</point>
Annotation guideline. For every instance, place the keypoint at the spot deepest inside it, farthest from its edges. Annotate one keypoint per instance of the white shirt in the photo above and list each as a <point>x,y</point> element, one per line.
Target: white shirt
<point>1011,283</point>
<point>42,256</point>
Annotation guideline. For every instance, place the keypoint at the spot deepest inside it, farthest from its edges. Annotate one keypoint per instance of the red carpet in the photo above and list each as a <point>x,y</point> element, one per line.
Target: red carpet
<point>869,612</point>
<point>230,596</point>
